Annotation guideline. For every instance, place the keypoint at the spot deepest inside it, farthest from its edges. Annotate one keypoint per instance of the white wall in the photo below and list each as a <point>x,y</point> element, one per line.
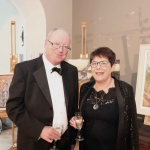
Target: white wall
<point>58,14</point>
<point>121,25</point>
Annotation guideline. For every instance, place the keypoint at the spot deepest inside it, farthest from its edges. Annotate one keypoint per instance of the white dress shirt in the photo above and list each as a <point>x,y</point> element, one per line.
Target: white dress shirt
<point>57,94</point>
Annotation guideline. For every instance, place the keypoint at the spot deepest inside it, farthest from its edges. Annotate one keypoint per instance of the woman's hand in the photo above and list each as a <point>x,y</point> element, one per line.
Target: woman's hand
<point>72,122</point>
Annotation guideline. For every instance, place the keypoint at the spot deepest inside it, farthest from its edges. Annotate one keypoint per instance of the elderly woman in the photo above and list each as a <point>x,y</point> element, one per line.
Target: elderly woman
<point>108,107</point>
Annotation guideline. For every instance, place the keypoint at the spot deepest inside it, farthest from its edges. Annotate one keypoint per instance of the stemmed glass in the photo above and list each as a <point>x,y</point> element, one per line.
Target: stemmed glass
<point>79,123</point>
<point>59,128</point>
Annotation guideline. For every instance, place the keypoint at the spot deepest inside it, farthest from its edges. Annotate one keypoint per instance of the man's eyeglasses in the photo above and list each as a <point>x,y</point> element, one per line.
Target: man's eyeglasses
<point>57,45</point>
<point>94,64</point>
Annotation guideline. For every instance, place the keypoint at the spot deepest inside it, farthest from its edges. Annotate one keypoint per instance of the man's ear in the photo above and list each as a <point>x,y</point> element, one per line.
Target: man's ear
<point>45,42</point>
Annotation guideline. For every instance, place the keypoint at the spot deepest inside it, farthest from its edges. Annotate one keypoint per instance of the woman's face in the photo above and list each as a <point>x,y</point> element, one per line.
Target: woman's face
<point>102,72</point>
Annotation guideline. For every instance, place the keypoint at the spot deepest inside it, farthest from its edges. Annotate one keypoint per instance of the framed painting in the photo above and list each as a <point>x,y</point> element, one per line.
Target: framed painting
<point>142,95</point>
<point>5,81</point>
<point>83,66</point>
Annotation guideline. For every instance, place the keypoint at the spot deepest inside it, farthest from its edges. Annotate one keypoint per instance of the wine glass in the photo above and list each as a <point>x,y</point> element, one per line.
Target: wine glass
<point>79,123</point>
<point>59,128</point>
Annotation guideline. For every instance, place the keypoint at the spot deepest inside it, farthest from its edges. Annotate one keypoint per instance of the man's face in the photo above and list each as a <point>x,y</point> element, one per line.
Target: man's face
<point>56,55</point>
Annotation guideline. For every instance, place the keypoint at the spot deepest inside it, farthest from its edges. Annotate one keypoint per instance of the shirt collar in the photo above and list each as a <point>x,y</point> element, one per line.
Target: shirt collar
<point>47,64</point>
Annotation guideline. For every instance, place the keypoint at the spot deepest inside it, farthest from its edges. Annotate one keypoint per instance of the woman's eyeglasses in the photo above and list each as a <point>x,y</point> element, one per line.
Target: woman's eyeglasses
<point>94,64</point>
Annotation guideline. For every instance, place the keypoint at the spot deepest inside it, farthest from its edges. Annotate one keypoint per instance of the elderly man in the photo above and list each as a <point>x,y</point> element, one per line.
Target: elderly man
<point>43,92</point>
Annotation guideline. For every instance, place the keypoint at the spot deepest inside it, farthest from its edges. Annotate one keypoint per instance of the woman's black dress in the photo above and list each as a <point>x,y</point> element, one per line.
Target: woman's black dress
<point>101,115</point>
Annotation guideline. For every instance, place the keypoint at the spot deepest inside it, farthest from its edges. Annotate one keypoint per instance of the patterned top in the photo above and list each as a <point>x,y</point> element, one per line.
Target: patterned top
<point>100,113</point>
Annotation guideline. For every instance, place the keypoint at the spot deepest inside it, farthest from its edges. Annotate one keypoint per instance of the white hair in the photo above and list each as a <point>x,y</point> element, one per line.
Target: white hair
<point>55,29</point>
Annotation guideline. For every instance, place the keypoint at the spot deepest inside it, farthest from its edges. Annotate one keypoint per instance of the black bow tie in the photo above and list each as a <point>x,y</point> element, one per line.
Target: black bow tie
<point>58,70</point>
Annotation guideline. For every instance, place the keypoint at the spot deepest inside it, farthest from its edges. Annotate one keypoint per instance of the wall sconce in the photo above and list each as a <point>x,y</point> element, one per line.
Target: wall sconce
<point>22,37</point>
<point>13,55</point>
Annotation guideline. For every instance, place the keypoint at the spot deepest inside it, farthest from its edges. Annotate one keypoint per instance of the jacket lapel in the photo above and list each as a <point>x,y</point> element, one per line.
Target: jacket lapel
<point>85,96</point>
<point>120,99</point>
<point>43,83</point>
<point>41,79</point>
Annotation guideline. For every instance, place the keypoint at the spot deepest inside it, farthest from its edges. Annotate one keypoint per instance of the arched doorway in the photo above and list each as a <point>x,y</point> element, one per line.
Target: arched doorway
<point>33,23</point>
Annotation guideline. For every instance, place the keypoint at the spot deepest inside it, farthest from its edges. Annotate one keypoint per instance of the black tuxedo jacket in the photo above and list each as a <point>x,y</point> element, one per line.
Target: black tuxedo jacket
<point>30,107</point>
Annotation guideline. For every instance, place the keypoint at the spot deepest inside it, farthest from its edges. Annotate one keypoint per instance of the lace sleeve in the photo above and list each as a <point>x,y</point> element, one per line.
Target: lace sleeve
<point>134,136</point>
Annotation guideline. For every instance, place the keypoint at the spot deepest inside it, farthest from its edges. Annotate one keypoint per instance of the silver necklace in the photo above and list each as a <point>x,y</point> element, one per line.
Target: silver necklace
<point>96,106</point>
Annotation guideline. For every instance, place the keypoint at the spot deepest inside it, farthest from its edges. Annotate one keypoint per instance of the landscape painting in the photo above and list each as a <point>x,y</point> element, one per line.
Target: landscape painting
<point>143,81</point>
